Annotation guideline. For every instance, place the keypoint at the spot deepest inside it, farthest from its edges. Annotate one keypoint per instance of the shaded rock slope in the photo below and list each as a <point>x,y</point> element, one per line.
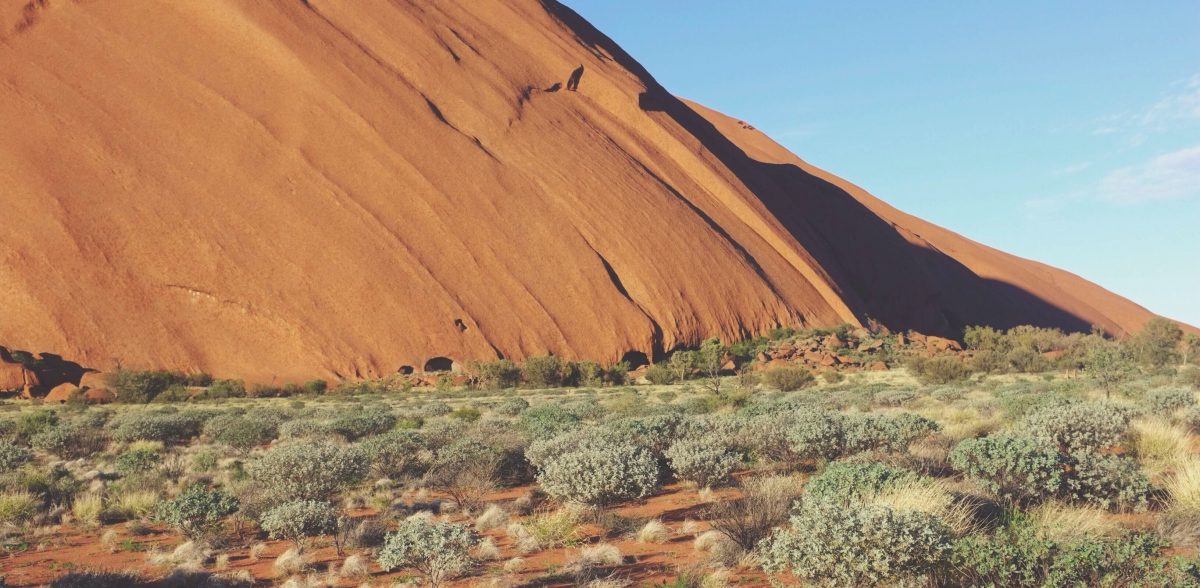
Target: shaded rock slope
<point>279,189</point>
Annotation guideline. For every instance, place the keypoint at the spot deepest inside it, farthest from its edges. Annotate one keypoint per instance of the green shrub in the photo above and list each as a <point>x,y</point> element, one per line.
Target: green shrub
<point>197,511</point>
<point>307,471</point>
<point>886,432</point>
<point>304,429</point>
<point>438,550</point>
<point>1108,481</point>
<point>587,409</point>
<point>939,369</point>
<point>545,371</point>
<point>1078,426</point>
<point>1018,469</point>
<point>499,374</point>
<point>137,461</point>
<point>224,389</point>
<point>1164,401</point>
<point>847,482</point>
<point>396,454</point>
<point>659,374</point>
<point>168,427</point>
<point>32,422</point>
<point>436,408</point>
<point>602,474</point>
<point>299,519</point>
<point>857,546</point>
<point>546,420</point>
<point>704,462</point>
<point>512,406</point>
<point>13,456</point>
<point>140,387</point>
<point>358,424</point>
<point>1018,555</point>
<point>240,431</point>
<point>467,414</point>
<point>816,434</point>
<point>70,440</point>
<point>788,379</point>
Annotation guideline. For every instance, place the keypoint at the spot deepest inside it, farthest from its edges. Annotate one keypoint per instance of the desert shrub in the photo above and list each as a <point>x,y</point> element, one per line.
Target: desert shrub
<point>703,462</point>
<point>1018,469</point>
<point>939,369</point>
<point>1078,426</point>
<point>32,422</point>
<point>468,414</point>
<point>13,456</point>
<point>197,511</point>
<point>655,432</point>
<point>499,374</point>
<point>98,579</point>
<point>659,374</point>
<point>17,508</point>
<point>140,387</point>
<point>894,396</point>
<point>546,420</point>
<point>600,475</point>
<point>168,427</point>
<point>307,428</point>
<point>845,482</point>
<point>1107,481</point>
<point>355,425</point>
<point>586,409</point>
<point>395,454</point>
<point>542,371</point>
<point>240,431</point>
<point>788,379</point>
<point>1164,401</point>
<point>137,460</point>
<point>512,406</point>
<point>1017,555</point>
<point>224,389</point>
<point>1190,376</point>
<point>857,546</point>
<point>438,550</point>
<point>465,470</point>
<point>299,519</point>
<point>54,485</point>
<point>70,440</point>
<point>540,451</point>
<point>307,471</point>
<point>765,503</point>
<point>885,432</point>
<point>816,434</point>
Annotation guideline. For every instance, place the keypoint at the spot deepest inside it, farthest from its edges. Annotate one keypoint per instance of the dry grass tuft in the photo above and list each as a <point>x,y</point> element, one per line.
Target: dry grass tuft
<point>653,531</point>
<point>1065,523</point>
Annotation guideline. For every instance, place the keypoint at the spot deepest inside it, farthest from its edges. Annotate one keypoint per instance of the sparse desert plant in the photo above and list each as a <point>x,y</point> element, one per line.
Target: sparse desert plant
<point>97,579</point>
<point>1066,523</point>
<point>602,477</point>
<point>240,431</point>
<point>466,470</point>
<point>547,530</point>
<point>788,379</point>
<point>1159,445</point>
<point>86,509</point>
<point>299,519</point>
<point>765,503</point>
<point>354,567</point>
<point>654,531</point>
<point>593,559</point>
<point>197,511</point>
<point>718,547</point>
<point>703,462</point>
<point>292,561</point>
<point>18,508</point>
<point>857,546</point>
<point>491,518</point>
<point>438,550</point>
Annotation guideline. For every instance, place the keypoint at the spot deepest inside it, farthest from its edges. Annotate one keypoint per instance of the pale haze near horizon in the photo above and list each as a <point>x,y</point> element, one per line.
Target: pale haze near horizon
<point>1064,132</point>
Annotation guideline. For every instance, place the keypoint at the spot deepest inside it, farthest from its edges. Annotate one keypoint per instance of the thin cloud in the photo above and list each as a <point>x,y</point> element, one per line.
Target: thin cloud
<point>1074,168</point>
<point>1181,105</point>
<point>1168,176</point>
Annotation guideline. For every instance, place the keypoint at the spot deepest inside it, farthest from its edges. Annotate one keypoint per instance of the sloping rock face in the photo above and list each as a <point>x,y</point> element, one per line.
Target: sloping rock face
<point>283,189</point>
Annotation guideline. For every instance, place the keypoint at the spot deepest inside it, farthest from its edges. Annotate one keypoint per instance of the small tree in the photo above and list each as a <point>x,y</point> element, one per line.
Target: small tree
<point>1108,363</point>
<point>681,364</point>
<point>1156,345</point>
<point>466,470</point>
<point>197,511</point>
<point>438,550</point>
<point>708,359</point>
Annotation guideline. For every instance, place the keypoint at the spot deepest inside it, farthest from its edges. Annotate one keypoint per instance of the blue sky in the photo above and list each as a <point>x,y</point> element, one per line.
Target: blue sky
<point>1067,132</point>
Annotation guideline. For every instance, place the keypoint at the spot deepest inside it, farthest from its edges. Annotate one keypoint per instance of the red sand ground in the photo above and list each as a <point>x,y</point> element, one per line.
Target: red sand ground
<point>285,189</point>
<point>651,563</point>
